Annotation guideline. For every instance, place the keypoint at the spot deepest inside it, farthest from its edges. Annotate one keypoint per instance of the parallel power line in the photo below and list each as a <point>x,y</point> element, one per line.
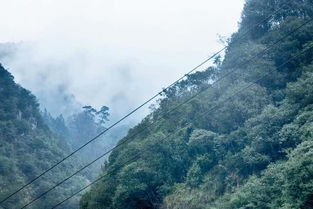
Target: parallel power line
<point>211,109</point>
<point>173,109</point>
<point>132,112</point>
<point>111,126</point>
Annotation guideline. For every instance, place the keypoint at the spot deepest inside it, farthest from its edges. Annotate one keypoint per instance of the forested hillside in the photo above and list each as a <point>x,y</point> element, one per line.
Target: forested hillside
<point>242,142</point>
<point>28,147</point>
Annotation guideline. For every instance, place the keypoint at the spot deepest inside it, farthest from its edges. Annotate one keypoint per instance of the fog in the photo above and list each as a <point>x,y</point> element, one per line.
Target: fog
<point>71,53</point>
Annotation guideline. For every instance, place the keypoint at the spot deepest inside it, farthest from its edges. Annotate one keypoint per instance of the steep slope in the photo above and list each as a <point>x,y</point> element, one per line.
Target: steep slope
<point>27,147</point>
<point>243,143</point>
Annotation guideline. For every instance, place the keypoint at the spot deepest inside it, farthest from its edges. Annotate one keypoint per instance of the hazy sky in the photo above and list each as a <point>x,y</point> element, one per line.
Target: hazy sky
<point>115,53</point>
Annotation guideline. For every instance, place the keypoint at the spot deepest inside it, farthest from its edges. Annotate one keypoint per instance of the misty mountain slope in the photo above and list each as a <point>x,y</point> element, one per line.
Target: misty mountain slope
<point>244,143</point>
<point>81,127</point>
<point>28,147</point>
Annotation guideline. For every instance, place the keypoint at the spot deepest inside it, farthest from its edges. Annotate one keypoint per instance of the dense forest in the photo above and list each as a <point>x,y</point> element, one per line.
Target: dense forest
<point>244,140</point>
<point>27,148</point>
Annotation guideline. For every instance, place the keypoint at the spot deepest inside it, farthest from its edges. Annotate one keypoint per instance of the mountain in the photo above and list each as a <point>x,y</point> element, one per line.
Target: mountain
<point>27,148</point>
<point>79,128</point>
<point>243,142</point>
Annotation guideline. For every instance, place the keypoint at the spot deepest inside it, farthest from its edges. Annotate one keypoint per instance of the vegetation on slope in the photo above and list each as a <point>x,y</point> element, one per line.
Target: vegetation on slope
<point>232,146</point>
<point>28,147</point>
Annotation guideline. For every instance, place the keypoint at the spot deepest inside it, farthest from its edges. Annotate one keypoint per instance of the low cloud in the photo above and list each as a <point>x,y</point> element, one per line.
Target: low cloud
<point>74,53</point>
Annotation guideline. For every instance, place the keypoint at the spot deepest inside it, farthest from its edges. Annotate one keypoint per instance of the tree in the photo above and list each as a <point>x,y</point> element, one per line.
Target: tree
<point>103,115</point>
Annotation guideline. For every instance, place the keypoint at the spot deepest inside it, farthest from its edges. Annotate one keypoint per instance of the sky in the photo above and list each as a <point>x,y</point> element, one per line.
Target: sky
<point>116,53</point>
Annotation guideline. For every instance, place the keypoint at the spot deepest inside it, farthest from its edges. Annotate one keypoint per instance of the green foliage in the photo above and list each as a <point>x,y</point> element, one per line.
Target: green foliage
<point>301,91</point>
<point>27,148</point>
<point>286,184</point>
<point>194,175</point>
<point>243,143</point>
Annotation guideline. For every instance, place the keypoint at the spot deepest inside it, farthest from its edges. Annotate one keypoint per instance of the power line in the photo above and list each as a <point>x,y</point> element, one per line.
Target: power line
<point>110,127</point>
<point>170,111</point>
<point>136,156</point>
<point>98,179</point>
<point>126,116</point>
